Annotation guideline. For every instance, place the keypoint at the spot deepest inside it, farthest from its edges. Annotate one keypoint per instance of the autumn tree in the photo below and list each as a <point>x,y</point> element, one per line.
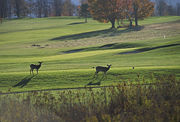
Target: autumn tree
<point>121,8</point>
<point>127,10</point>
<point>142,9</point>
<point>112,10</point>
<point>104,10</point>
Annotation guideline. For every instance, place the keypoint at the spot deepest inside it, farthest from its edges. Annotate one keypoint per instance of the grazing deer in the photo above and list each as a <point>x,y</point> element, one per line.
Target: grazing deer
<point>102,69</point>
<point>34,66</point>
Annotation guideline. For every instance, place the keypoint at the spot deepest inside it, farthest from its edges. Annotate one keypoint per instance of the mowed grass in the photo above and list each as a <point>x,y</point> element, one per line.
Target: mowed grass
<point>70,48</point>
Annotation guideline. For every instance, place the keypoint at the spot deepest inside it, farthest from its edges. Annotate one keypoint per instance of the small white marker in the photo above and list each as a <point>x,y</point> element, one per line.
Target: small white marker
<point>164,36</point>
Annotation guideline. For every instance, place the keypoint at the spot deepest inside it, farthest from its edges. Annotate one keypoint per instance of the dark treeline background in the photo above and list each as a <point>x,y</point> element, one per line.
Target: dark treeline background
<point>46,8</point>
<point>167,7</point>
<point>36,8</point>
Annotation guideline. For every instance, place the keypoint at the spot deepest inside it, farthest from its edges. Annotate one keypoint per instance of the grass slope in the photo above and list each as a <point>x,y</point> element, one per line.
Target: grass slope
<point>70,48</point>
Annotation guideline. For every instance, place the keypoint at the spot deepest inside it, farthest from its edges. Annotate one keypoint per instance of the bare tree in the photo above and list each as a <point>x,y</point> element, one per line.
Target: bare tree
<point>58,5</point>
<point>178,9</point>
<point>39,7</point>
<point>68,8</point>
<point>161,8</point>
<point>4,8</point>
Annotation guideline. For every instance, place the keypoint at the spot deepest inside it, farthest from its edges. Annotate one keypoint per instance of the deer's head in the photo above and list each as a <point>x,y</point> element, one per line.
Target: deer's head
<point>40,62</point>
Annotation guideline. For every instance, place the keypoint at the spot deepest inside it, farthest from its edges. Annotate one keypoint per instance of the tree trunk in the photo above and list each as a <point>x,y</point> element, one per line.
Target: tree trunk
<point>136,18</point>
<point>85,19</point>
<point>135,6</point>
<point>17,8</point>
<point>136,21</point>
<point>113,23</point>
<point>130,24</point>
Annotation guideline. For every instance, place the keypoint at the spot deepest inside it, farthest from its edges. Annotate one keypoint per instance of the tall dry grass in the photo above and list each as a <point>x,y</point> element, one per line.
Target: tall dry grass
<point>126,102</point>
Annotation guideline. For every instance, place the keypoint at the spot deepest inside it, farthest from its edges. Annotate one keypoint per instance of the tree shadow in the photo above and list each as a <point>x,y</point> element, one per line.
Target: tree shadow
<point>106,47</point>
<point>34,29</point>
<point>96,83</point>
<point>76,23</point>
<point>81,35</point>
<point>74,51</point>
<point>104,33</point>
<point>24,81</point>
<point>149,49</point>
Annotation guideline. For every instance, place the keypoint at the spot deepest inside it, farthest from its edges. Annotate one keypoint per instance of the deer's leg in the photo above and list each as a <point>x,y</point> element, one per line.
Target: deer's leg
<point>37,71</point>
<point>96,73</point>
<point>104,75</point>
<point>30,71</point>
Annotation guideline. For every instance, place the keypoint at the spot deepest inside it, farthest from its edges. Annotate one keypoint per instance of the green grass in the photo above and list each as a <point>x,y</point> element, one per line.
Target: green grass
<point>97,45</point>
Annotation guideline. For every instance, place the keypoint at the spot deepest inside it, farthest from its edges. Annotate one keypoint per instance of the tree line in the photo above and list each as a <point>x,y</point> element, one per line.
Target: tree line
<point>36,8</point>
<point>102,10</point>
<point>164,9</point>
<point>46,8</point>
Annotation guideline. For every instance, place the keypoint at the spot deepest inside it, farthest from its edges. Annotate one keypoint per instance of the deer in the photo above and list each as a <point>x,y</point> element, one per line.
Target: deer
<point>34,66</point>
<point>102,69</point>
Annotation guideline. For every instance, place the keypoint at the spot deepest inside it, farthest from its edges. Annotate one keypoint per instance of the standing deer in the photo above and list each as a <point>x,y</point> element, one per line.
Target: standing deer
<point>102,69</point>
<point>34,66</point>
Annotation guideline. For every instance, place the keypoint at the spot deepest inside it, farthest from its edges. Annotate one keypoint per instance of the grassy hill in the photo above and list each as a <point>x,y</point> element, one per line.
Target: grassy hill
<point>70,48</point>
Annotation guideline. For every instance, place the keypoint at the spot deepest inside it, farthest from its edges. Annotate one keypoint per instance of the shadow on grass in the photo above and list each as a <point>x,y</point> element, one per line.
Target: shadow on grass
<point>105,33</point>
<point>76,23</point>
<point>121,46</point>
<point>34,29</point>
<point>82,35</point>
<point>63,17</point>
<point>91,83</point>
<point>24,81</point>
<point>96,83</point>
<point>149,49</point>
<point>107,46</point>
<point>74,51</point>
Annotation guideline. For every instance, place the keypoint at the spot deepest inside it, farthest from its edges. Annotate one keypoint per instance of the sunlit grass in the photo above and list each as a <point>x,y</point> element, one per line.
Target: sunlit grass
<point>58,79</point>
<point>57,35</point>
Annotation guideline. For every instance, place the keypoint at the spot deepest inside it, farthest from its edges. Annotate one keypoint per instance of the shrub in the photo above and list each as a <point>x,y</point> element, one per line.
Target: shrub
<point>126,102</point>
